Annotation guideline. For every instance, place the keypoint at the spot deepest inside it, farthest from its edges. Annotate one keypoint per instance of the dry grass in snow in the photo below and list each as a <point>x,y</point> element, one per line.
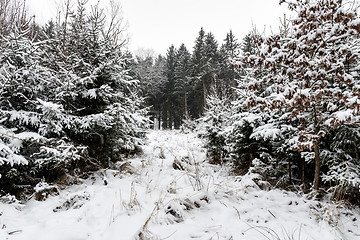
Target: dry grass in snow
<point>171,192</point>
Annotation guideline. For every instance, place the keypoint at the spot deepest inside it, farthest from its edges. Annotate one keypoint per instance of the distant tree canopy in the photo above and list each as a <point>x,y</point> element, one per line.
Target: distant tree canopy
<point>186,78</point>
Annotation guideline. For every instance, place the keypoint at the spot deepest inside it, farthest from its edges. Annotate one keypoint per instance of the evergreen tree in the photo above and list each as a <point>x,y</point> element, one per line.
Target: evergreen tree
<point>228,74</point>
<point>101,96</point>
<point>341,155</point>
<point>205,68</point>
<point>246,45</point>
<point>142,69</point>
<point>198,62</point>
<point>231,45</point>
<point>211,67</point>
<point>168,106</point>
<point>211,59</point>
<point>216,121</point>
<point>157,88</point>
<point>181,86</point>
<point>32,138</point>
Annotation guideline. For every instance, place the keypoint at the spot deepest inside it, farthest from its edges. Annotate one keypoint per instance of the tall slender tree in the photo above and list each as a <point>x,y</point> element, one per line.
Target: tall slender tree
<point>181,87</point>
<point>168,107</point>
<point>229,50</point>
<point>198,61</point>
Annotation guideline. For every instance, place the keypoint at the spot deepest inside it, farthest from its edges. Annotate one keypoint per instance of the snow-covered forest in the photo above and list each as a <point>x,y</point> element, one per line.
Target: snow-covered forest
<point>252,137</point>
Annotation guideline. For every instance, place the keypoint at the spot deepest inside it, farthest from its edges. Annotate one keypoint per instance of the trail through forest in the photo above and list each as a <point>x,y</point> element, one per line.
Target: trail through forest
<point>171,192</point>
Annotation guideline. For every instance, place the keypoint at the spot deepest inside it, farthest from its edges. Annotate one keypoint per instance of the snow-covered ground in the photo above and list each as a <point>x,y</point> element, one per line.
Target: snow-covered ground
<point>152,200</point>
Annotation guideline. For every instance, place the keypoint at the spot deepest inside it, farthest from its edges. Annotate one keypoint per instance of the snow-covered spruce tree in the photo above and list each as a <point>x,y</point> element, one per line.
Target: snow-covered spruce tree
<point>246,45</point>
<point>218,112</point>
<point>156,86</point>
<point>341,153</point>
<point>168,108</point>
<point>31,134</point>
<point>249,138</point>
<point>64,97</point>
<point>181,84</point>
<point>257,137</point>
<point>306,75</point>
<point>98,94</point>
<point>219,72</point>
<point>216,121</point>
<point>197,62</point>
<point>227,75</point>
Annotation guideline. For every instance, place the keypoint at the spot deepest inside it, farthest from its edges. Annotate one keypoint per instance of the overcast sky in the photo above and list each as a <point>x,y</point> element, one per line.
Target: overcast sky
<point>157,24</point>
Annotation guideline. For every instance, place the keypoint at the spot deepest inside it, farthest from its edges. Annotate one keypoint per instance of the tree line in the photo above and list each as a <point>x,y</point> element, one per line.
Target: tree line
<point>177,85</point>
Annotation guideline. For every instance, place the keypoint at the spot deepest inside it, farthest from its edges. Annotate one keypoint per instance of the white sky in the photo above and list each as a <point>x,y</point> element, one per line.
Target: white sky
<point>157,24</point>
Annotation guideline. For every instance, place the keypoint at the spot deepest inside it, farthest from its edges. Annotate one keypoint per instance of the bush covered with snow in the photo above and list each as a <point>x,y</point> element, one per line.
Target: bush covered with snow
<point>215,123</point>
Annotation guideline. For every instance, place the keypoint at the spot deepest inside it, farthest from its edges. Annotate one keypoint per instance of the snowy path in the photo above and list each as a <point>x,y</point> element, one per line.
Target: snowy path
<point>198,201</point>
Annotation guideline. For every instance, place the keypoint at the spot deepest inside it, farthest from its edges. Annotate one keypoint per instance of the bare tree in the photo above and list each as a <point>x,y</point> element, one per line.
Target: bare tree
<point>11,13</point>
<point>117,26</point>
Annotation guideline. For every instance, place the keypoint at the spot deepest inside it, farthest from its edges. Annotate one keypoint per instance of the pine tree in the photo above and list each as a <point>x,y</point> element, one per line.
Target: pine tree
<point>198,62</point>
<point>341,156</point>
<point>32,136</point>
<point>168,106</point>
<point>157,87</point>
<point>98,94</point>
<point>181,86</point>
<point>231,45</point>
<point>210,72</point>
<point>228,74</point>
<point>205,66</point>
<point>216,121</point>
<point>144,71</point>
<point>246,45</point>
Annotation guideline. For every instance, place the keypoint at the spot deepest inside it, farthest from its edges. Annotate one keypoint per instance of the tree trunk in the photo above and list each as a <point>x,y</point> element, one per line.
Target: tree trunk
<point>303,173</point>
<point>204,92</point>
<point>317,166</point>
<point>67,9</point>
<point>171,114</point>
<point>317,152</point>
<point>159,122</point>
<point>289,170</point>
<point>356,149</point>
<point>186,107</point>
<point>164,116</point>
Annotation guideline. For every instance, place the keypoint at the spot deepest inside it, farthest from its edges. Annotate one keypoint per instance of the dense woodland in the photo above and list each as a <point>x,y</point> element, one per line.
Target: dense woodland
<point>177,85</point>
<point>285,106</point>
